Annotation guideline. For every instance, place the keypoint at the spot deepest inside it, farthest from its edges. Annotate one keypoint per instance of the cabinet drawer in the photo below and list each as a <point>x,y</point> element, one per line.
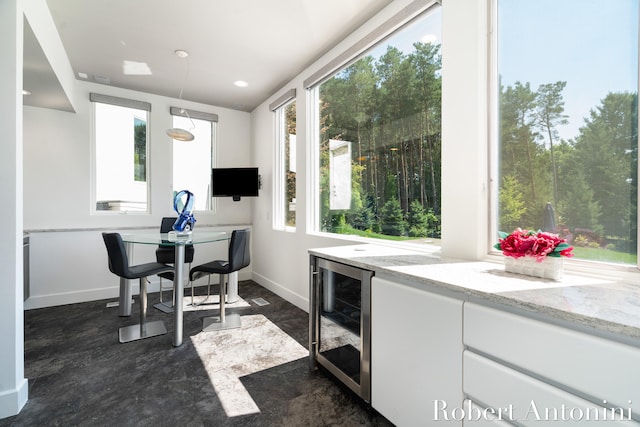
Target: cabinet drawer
<point>528,401</point>
<point>585,364</point>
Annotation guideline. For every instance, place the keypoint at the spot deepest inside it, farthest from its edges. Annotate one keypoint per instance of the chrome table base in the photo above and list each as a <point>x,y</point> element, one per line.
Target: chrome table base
<point>136,332</point>
<point>231,321</point>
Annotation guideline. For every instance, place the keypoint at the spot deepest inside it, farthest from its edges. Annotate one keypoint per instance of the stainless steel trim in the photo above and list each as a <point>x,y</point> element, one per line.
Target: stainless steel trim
<point>26,287</point>
<point>313,313</point>
<point>365,335</point>
<point>178,292</point>
<point>345,270</point>
<point>363,389</point>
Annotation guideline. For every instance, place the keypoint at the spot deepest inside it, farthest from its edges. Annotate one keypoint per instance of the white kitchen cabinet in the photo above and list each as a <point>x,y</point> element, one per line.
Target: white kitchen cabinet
<point>416,354</point>
<point>546,371</point>
<point>477,416</point>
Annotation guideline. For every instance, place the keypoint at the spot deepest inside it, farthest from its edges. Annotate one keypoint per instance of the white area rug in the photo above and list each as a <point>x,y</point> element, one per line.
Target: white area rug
<point>231,354</point>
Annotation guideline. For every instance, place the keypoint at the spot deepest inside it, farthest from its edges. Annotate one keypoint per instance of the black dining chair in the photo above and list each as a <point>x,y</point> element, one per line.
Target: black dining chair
<point>166,254</point>
<point>119,265</point>
<point>239,257</point>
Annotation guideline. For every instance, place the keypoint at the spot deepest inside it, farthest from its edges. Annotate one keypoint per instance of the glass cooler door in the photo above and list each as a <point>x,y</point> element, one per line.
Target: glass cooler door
<point>343,306</point>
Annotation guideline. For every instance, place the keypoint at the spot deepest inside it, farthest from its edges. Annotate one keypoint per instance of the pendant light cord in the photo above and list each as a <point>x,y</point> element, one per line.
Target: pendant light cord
<point>182,109</point>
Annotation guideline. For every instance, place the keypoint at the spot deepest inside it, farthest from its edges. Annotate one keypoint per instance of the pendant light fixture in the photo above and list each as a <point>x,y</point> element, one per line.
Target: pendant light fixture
<point>177,133</point>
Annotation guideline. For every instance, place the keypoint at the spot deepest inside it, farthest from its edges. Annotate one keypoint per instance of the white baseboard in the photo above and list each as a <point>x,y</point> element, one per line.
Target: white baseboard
<point>52,300</point>
<point>12,401</point>
<point>292,297</point>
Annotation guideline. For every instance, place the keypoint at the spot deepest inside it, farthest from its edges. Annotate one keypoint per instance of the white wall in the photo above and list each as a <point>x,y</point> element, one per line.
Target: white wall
<point>59,278</point>
<point>68,259</point>
<point>281,263</point>
<point>57,159</point>
<point>57,167</point>
<point>13,385</point>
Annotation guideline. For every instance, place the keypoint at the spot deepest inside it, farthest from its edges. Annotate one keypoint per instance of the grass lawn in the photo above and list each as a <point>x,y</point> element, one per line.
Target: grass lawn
<point>591,254</point>
<point>605,255</point>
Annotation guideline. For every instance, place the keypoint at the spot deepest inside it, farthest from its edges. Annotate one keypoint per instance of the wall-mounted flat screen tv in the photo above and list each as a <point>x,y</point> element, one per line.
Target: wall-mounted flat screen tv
<point>235,182</point>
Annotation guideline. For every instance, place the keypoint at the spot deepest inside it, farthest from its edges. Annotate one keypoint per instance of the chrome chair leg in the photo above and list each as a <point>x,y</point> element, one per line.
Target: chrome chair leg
<point>193,304</point>
<point>163,306</point>
<point>144,329</point>
<point>224,321</point>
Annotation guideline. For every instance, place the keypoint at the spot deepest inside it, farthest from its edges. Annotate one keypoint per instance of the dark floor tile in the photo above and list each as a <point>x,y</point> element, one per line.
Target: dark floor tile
<point>80,375</point>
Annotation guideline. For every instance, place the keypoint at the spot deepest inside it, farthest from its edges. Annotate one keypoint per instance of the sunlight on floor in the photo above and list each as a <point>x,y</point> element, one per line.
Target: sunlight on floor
<point>231,354</point>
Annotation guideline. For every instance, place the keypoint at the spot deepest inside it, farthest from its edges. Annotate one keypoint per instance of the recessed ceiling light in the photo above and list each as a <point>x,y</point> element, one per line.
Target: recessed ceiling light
<point>132,68</point>
<point>83,75</point>
<point>26,92</point>
<point>241,83</point>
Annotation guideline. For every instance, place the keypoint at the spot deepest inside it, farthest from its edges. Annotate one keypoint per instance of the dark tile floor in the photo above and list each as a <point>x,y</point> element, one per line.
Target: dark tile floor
<point>80,375</point>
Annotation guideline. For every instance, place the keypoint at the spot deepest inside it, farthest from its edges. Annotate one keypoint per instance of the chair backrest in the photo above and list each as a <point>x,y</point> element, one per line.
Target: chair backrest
<point>166,253</point>
<point>118,261</point>
<point>239,254</point>
<point>167,224</point>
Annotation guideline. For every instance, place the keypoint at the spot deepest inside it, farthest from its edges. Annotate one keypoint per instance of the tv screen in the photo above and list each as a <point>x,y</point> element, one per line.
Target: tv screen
<point>234,182</point>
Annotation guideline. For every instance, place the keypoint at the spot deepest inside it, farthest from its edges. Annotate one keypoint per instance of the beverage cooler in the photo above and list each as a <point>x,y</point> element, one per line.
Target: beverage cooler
<point>340,322</point>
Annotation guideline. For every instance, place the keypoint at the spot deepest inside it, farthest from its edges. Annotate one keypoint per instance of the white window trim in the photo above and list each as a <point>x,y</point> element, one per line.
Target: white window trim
<point>597,269</point>
<point>94,99</point>
<point>404,17</point>
<point>279,108</point>
<point>211,205</point>
<point>313,163</point>
<point>278,167</point>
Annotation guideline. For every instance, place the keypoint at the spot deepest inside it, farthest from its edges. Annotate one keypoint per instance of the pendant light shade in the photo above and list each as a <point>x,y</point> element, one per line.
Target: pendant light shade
<point>177,133</point>
<point>180,134</point>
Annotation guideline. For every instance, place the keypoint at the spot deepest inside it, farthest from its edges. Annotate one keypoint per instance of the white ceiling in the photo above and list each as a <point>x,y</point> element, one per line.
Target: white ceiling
<point>263,42</point>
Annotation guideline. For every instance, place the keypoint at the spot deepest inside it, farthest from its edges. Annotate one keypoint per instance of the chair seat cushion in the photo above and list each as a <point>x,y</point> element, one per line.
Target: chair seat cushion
<point>167,275</point>
<point>213,267</point>
<point>148,269</point>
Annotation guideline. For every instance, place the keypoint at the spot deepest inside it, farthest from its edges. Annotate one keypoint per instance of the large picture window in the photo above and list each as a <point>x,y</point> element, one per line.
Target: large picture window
<point>120,154</point>
<point>379,142</point>
<point>567,97</point>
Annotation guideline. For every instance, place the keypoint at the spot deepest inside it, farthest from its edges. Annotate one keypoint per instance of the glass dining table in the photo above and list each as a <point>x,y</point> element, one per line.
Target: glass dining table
<point>178,242</point>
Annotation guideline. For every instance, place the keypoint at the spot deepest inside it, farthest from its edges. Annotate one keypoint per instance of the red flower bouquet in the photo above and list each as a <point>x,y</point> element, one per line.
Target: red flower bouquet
<point>538,244</point>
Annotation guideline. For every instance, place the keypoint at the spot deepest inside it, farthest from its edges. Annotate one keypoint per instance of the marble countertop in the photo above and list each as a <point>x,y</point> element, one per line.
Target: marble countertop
<point>602,304</point>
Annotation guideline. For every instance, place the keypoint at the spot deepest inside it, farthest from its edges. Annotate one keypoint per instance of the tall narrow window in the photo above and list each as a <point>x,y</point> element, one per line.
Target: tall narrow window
<point>193,160</point>
<point>379,144</point>
<point>285,162</point>
<point>286,166</point>
<point>120,154</point>
<point>140,150</point>
<point>568,123</point>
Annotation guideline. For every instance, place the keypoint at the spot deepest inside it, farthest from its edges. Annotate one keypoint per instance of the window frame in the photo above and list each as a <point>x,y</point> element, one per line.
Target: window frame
<point>96,99</point>
<point>581,266</point>
<point>211,205</point>
<point>279,108</point>
<point>360,48</point>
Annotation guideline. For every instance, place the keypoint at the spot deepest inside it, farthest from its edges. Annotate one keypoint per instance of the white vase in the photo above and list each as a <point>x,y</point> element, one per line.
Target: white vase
<point>549,268</point>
